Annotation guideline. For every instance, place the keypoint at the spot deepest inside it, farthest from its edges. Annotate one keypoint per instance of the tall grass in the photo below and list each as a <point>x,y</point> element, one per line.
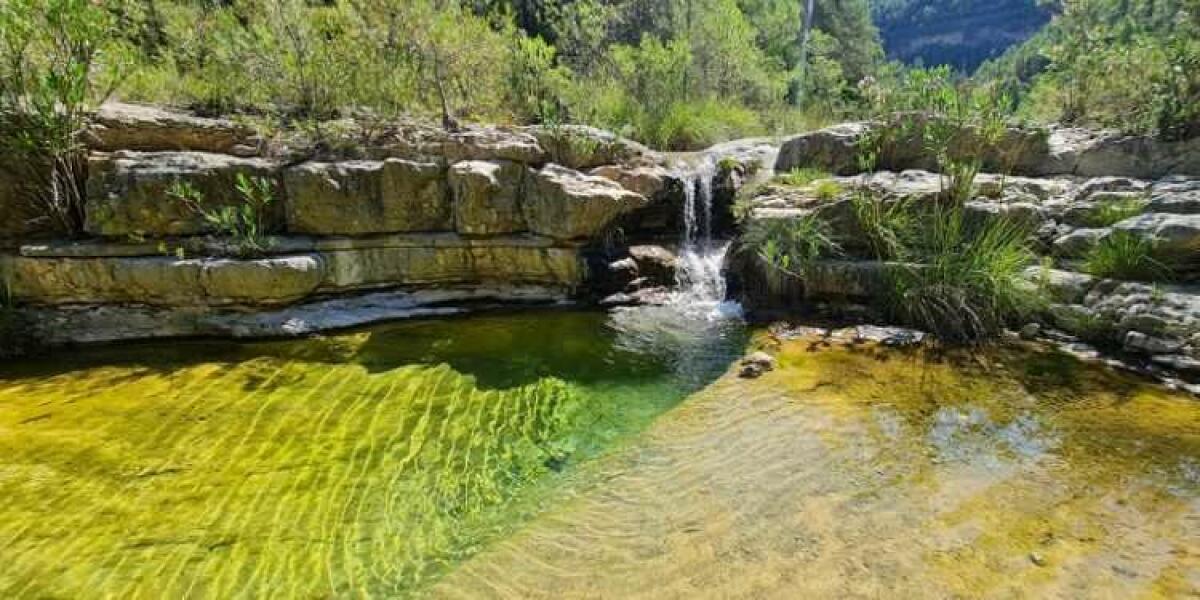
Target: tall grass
<point>1125,255</point>
<point>790,245</point>
<point>964,284</point>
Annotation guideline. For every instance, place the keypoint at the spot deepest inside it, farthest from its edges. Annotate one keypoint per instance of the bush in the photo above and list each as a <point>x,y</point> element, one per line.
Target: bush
<point>964,284</point>
<point>51,73</point>
<point>789,246</point>
<point>1125,255</point>
<point>1113,211</point>
<point>884,225</point>
<point>244,224</point>
<point>801,177</point>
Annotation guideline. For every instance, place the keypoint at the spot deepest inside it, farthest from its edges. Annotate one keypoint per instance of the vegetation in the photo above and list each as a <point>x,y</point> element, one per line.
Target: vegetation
<point>790,246</point>
<point>801,177</point>
<point>244,225</point>
<point>1125,255</point>
<point>1110,211</point>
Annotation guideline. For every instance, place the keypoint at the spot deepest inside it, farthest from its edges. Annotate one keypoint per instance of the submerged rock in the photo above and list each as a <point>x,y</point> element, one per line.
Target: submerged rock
<point>756,365</point>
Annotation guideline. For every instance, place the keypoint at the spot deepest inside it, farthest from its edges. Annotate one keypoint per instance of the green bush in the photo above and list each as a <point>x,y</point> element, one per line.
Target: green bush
<point>801,177</point>
<point>789,246</point>
<point>244,224</point>
<point>1110,212</point>
<point>1125,255</point>
<point>827,189</point>
<point>963,284</point>
<point>884,225</point>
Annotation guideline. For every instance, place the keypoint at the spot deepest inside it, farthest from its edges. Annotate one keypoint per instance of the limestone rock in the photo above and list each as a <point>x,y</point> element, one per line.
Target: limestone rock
<point>451,265</point>
<point>489,143</point>
<point>366,197</point>
<point>1173,236</point>
<point>121,126</point>
<point>128,191</point>
<point>1064,286</point>
<point>581,147</point>
<point>566,205</point>
<point>649,181</point>
<point>163,280</point>
<point>655,263</point>
<point>1091,153</point>
<point>1078,242</point>
<point>834,149</point>
<point>487,197</point>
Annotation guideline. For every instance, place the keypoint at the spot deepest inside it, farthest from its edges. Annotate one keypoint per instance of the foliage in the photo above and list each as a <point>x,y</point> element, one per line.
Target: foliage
<point>801,177</point>
<point>1110,211</point>
<point>964,284</point>
<point>54,67</point>
<point>884,225</point>
<point>1125,255</point>
<point>789,245</point>
<point>245,224</point>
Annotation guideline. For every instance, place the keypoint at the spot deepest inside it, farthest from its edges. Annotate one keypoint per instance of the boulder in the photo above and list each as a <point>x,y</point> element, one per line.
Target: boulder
<point>581,147</point>
<point>487,197</point>
<point>121,126</point>
<point>567,205</point>
<point>366,197</point>
<point>833,149</point>
<point>1063,286</point>
<point>1079,242</point>
<point>1090,153</point>
<point>655,263</point>
<point>1176,237</point>
<point>163,280</point>
<point>649,181</point>
<point>490,143</point>
<point>756,365</point>
<point>128,191</point>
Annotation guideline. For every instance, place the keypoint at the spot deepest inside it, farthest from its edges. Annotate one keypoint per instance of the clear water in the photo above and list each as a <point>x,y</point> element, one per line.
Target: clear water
<point>363,464</point>
<point>572,455</point>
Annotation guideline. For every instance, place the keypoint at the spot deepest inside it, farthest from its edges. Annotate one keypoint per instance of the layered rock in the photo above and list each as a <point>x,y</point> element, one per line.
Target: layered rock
<point>367,197</point>
<point>129,192</point>
<point>121,126</point>
<point>567,205</point>
<point>487,197</point>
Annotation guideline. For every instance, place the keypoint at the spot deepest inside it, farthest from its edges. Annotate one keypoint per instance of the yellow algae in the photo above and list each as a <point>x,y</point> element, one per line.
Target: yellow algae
<point>871,472</point>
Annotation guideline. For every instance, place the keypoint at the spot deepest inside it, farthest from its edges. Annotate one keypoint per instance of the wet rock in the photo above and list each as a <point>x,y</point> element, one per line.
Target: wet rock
<point>656,263</point>
<point>1038,559</point>
<point>128,191</point>
<point>366,197</point>
<point>487,197</point>
<point>567,205</point>
<point>896,337</point>
<point>756,365</point>
<point>120,126</point>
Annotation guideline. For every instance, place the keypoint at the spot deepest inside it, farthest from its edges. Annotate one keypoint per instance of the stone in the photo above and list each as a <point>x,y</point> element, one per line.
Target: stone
<point>655,263</point>
<point>833,149</point>
<point>490,143</point>
<point>1064,286</point>
<point>128,191</point>
<point>1179,203</point>
<point>649,181</point>
<point>1137,341</point>
<point>163,281</point>
<point>451,266</point>
<point>366,197</point>
<point>1173,236</point>
<point>1091,153</point>
<point>487,197</point>
<point>568,205</point>
<point>581,147</point>
<point>121,126</point>
<point>18,218</point>
<point>756,365</point>
<point>1079,242</point>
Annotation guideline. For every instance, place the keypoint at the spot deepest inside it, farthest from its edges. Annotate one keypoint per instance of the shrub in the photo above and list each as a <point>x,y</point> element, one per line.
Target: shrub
<point>964,285</point>
<point>243,224</point>
<point>1125,255</point>
<point>883,224</point>
<point>801,177</point>
<point>789,245</point>
<point>14,338</point>
<point>1112,211</point>
<point>827,189</point>
<point>51,74</point>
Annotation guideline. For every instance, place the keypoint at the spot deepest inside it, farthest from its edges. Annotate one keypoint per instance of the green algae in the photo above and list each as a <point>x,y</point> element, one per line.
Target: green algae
<point>362,464</point>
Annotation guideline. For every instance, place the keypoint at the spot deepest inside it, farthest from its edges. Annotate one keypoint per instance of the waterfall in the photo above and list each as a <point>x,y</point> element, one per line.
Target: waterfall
<point>698,275</point>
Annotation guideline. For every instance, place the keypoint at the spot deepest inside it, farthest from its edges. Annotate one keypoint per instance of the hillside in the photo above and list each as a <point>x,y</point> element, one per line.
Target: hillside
<point>960,33</point>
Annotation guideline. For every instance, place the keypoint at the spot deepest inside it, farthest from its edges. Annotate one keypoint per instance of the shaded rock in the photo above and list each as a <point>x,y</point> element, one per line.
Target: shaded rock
<point>1137,341</point>
<point>487,197</point>
<point>756,365</point>
<point>655,263</point>
<point>1079,242</point>
<point>451,265</point>
<point>121,126</point>
<point>1179,203</point>
<point>128,191</point>
<point>366,197</point>
<point>565,204</point>
<point>18,218</point>
<point>581,147</point>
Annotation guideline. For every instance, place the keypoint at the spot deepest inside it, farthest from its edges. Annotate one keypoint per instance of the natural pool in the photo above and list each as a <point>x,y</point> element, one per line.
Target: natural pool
<point>569,454</point>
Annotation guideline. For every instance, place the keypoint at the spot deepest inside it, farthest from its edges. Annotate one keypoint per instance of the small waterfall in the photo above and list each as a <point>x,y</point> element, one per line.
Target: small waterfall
<point>698,276</point>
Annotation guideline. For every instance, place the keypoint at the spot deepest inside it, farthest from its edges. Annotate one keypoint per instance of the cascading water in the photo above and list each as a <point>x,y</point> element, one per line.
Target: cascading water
<point>696,326</point>
<point>699,278</point>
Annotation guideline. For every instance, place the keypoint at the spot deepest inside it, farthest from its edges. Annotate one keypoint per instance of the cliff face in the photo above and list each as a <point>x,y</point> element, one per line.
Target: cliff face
<point>960,33</point>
